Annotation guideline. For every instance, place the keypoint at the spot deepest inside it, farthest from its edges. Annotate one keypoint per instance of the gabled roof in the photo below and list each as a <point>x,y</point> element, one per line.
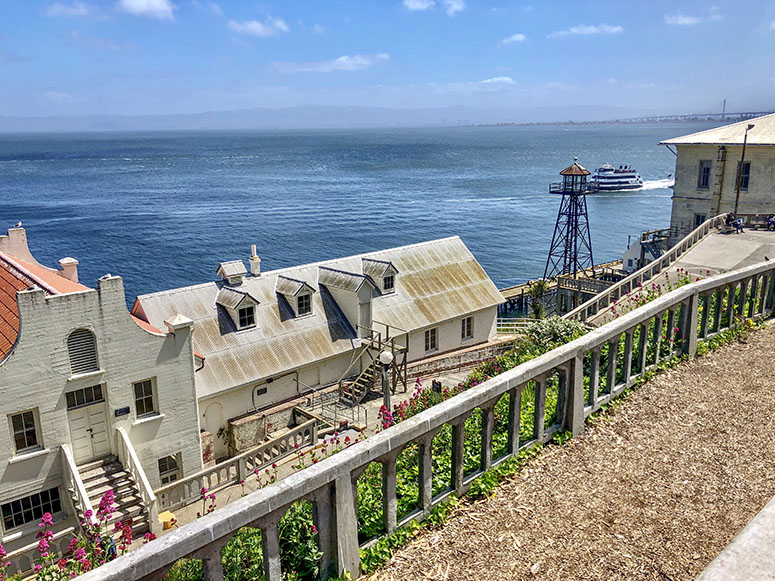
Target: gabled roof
<point>575,170</point>
<point>18,275</point>
<point>377,268</point>
<point>231,268</point>
<point>440,280</point>
<point>232,298</point>
<point>349,281</point>
<point>291,287</point>
<point>762,133</point>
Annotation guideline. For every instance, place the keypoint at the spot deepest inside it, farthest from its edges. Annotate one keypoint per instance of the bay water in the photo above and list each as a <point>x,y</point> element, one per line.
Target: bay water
<point>162,209</point>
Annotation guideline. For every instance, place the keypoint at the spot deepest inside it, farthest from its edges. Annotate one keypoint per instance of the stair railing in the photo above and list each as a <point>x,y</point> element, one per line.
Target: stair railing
<point>128,458</point>
<point>79,497</point>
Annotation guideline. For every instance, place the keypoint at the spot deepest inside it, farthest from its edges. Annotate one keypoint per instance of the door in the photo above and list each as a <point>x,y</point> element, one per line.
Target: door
<point>88,424</point>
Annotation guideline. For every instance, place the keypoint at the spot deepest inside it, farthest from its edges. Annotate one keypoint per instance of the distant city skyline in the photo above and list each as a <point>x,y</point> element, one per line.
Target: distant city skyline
<point>165,57</point>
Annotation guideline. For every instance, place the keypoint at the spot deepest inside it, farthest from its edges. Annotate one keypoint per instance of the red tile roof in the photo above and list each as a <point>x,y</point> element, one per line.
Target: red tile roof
<point>11,281</point>
<point>17,275</point>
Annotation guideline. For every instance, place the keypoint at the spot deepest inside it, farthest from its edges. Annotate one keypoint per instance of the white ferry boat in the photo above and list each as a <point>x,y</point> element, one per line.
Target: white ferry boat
<point>608,179</point>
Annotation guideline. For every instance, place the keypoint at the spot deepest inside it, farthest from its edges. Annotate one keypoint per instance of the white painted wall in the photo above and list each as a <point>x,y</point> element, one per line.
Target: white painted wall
<point>689,200</point>
<point>36,375</point>
<point>449,334</point>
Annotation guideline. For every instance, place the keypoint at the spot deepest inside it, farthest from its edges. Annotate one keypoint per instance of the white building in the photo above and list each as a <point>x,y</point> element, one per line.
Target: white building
<point>86,389</point>
<point>706,173</point>
<point>269,337</point>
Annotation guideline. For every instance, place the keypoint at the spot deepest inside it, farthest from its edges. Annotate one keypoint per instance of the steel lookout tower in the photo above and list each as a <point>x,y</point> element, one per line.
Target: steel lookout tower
<point>571,249</point>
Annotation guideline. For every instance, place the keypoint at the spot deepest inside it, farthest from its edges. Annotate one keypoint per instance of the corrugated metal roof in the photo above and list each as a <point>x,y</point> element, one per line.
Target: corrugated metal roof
<point>291,286</point>
<point>349,281</point>
<point>762,133</point>
<point>439,280</point>
<point>231,268</point>
<point>231,298</point>
<point>377,268</point>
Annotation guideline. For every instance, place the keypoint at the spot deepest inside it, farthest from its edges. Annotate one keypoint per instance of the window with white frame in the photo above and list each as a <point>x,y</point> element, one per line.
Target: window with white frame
<point>467,328</point>
<point>25,431</point>
<point>82,350</point>
<point>169,469</point>
<point>30,508</point>
<point>247,317</point>
<point>304,304</point>
<point>431,339</point>
<point>85,396</point>
<point>145,401</point>
<point>389,283</point>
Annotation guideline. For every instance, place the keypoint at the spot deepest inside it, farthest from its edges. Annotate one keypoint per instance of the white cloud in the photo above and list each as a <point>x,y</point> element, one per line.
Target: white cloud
<point>58,97</point>
<point>681,20</point>
<point>356,62</point>
<point>415,5</point>
<point>271,27</point>
<point>772,25</point>
<point>77,8</point>
<point>158,9</point>
<point>453,6</point>
<point>498,81</point>
<point>715,14</point>
<point>528,8</point>
<point>586,29</point>
<point>215,8</point>
<point>519,37</point>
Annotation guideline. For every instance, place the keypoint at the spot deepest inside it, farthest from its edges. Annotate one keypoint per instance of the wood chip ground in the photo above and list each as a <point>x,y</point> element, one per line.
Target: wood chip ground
<point>653,491</point>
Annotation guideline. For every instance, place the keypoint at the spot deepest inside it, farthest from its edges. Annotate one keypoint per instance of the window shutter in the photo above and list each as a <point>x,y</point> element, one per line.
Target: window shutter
<point>82,347</point>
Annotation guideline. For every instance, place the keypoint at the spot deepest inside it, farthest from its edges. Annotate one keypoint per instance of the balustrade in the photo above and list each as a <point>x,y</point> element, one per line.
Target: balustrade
<point>604,362</point>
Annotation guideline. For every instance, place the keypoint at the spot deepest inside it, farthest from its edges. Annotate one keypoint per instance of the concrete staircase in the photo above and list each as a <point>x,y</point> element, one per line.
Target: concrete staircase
<point>107,473</point>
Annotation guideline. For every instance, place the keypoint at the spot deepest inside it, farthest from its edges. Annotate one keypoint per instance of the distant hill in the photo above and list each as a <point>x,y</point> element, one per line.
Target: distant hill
<point>313,117</point>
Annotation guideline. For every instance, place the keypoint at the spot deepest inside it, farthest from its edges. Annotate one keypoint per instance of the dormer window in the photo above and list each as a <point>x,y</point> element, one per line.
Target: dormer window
<point>240,305</point>
<point>303,305</point>
<point>297,293</point>
<point>247,317</point>
<point>381,271</point>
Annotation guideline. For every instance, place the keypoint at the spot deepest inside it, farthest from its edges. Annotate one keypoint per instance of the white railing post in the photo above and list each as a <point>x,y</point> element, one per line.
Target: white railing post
<point>135,468</point>
<point>574,416</point>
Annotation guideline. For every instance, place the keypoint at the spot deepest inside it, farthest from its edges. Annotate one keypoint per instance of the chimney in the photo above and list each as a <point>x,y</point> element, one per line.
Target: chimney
<point>255,261</point>
<point>68,268</point>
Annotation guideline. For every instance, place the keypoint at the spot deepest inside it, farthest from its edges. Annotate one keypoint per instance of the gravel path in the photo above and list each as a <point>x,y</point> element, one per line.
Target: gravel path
<point>653,491</point>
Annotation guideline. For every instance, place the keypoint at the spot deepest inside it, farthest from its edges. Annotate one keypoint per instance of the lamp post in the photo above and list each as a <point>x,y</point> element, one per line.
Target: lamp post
<point>386,358</point>
<point>740,168</point>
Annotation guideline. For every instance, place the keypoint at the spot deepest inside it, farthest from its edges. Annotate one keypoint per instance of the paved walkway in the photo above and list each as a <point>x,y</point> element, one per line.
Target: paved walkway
<point>653,491</point>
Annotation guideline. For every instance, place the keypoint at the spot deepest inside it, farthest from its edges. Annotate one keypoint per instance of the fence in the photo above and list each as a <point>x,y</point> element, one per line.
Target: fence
<point>585,373</point>
<point>512,326</point>
<point>183,492</point>
<point>130,461</point>
<point>584,311</point>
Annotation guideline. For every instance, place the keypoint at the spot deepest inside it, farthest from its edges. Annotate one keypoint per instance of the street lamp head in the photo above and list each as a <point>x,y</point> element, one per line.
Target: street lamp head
<point>386,357</point>
<point>750,126</point>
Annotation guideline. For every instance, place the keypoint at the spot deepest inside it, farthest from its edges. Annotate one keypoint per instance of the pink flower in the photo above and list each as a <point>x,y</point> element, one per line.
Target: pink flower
<point>79,554</point>
<point>46,520</point>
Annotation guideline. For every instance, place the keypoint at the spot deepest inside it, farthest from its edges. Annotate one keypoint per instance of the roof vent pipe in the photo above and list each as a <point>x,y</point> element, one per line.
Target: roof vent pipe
<point>255,261</point>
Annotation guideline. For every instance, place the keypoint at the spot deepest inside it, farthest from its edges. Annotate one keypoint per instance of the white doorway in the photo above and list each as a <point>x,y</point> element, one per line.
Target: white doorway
<point>88,423</point>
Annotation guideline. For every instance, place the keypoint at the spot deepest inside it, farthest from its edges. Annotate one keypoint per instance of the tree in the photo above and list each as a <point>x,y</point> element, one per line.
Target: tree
<point>537,291</point>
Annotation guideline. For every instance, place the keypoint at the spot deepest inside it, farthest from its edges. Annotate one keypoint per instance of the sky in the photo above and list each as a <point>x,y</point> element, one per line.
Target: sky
<point>132,57</point>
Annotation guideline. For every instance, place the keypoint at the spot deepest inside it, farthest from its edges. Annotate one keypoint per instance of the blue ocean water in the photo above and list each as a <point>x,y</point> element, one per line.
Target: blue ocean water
<point>162,209</point>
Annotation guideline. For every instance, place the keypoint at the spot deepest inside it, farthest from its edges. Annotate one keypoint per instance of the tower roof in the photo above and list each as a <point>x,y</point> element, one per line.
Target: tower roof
<point>575,169</point>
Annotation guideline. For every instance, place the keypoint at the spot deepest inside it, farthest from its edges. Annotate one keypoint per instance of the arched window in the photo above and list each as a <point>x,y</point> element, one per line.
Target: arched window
<point>82,348</point>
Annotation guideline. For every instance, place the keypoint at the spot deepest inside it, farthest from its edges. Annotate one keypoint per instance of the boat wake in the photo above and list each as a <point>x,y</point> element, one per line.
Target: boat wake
<point>658,184</point>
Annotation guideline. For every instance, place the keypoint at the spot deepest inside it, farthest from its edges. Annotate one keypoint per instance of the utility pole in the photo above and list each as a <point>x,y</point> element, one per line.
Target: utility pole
<point>740,167</point>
